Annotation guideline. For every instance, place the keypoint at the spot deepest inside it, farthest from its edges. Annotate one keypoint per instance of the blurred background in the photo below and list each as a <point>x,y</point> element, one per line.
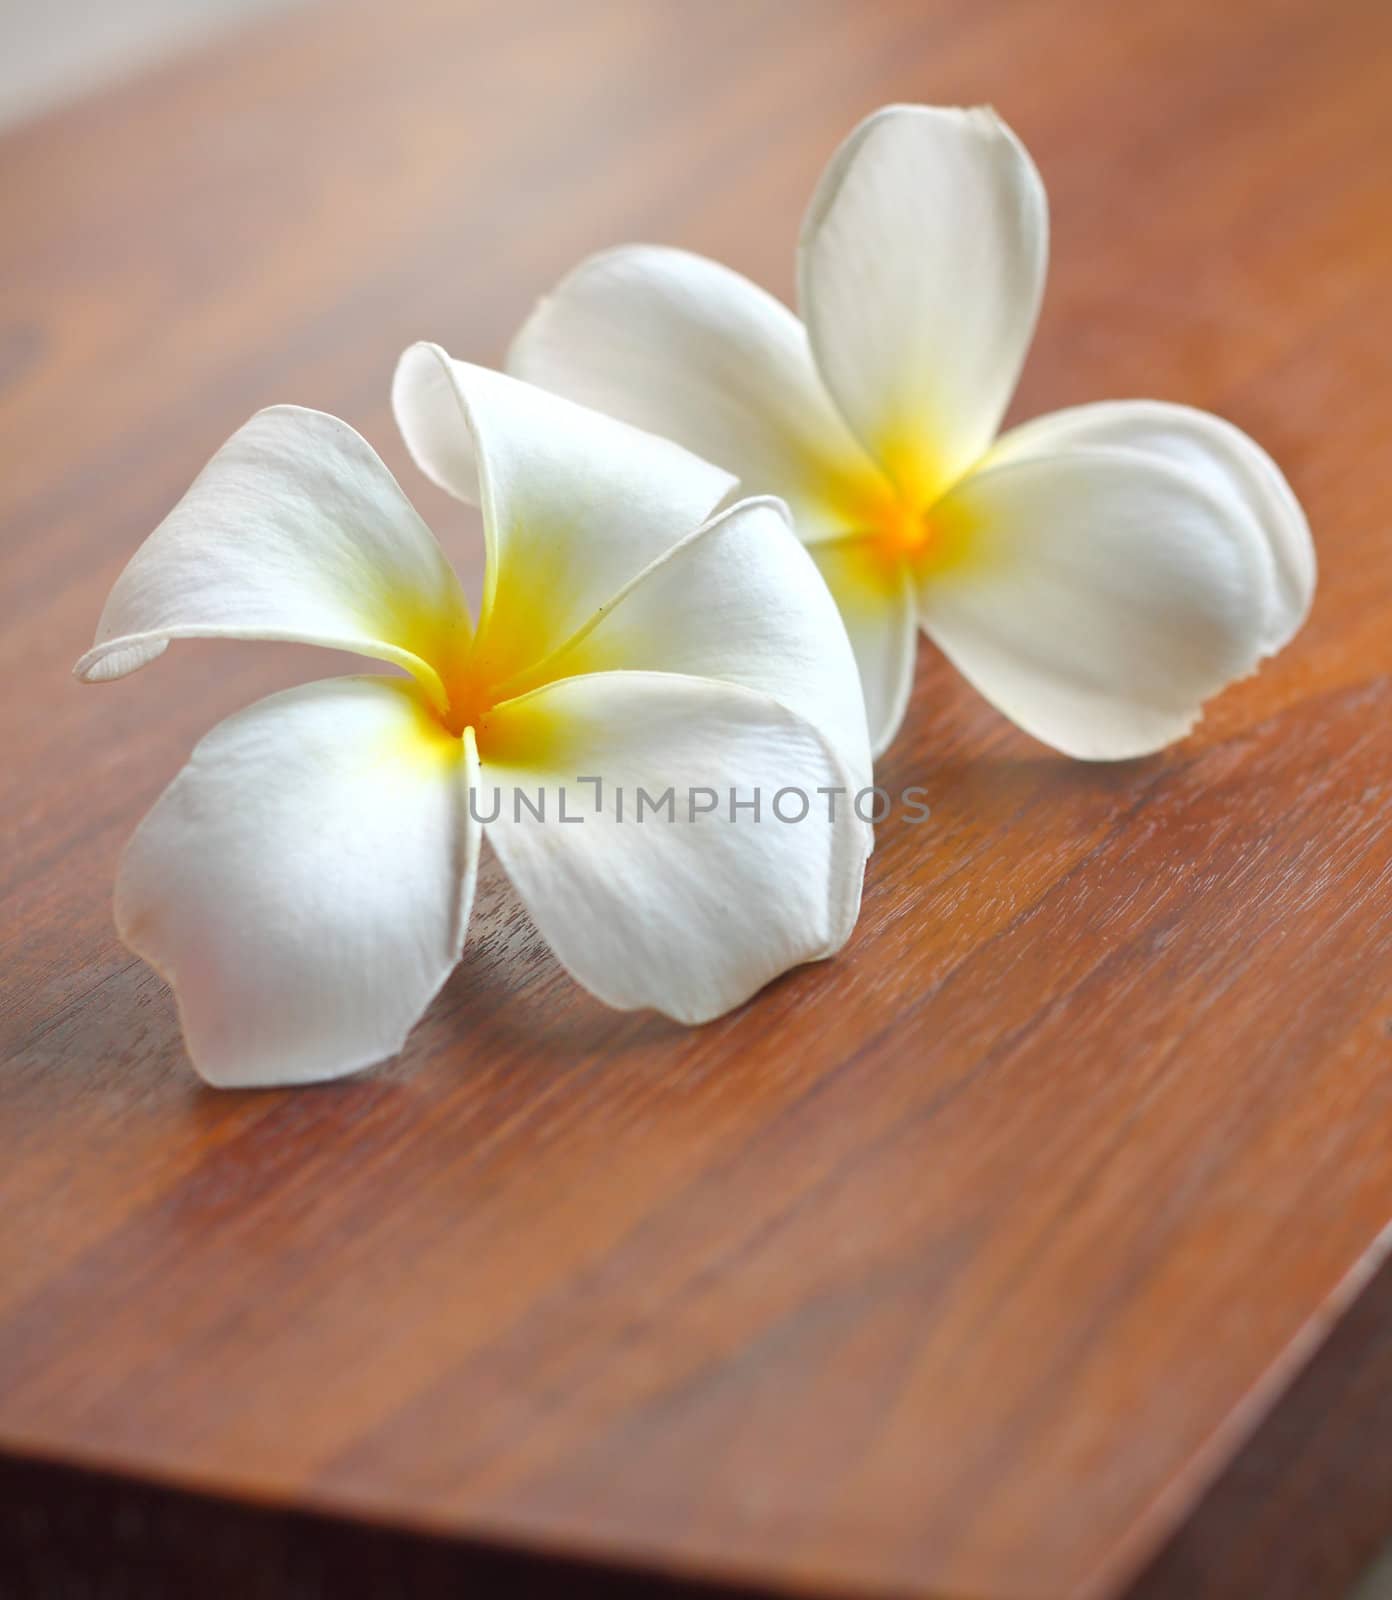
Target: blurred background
<point>51,51</point>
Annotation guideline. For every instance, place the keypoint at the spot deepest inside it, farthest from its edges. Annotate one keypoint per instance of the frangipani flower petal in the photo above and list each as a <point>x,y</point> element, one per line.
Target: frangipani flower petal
<point>878,606</point>
<point>1222,457</point>
<point>673,342</point>
<point>738,601</point>
<point>304,883</point>
<point>574,503</point>
<point>921,267</point>
<point>1099,596</point>
<point>294,530</point>
<point>693,915</point>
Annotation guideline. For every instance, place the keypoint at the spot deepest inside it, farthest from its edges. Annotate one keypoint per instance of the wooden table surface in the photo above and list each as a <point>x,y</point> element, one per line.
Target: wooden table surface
<point>956,1267</point>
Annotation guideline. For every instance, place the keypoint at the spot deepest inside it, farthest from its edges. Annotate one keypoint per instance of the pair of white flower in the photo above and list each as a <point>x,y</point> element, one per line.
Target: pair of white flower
<point>305,882</point>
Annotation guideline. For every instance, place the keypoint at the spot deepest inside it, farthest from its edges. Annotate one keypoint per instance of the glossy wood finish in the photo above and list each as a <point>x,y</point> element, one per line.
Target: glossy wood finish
<point>1306,1508</point>
<point>955,1267</point>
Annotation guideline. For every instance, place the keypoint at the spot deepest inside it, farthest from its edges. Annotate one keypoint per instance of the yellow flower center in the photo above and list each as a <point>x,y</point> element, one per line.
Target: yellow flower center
<point>902,533</point>
<point>470,701</point>
<point>484,676</point>
<point>929,540</point>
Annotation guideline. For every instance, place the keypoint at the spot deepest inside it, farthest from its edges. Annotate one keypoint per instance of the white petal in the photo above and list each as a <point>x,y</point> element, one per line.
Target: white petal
<point>574,503</point>
<point>1222,457</point>
<point>304,883</point>
<point>294,530</point>
<point>921,268</point>
<point>877,603</point>
<point>739,601</point>
<point>673,342</point>
<point>1100,597</point>
<point>688,916</point>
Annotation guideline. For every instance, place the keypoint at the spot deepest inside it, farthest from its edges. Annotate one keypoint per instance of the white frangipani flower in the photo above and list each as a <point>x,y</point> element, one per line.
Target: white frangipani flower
<point>305,882</point>
<point>1096,573</point>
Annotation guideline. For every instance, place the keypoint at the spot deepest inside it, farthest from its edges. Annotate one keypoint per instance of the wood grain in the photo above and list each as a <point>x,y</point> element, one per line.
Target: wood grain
<point>1303,1510</point>
<point>957,1266</point>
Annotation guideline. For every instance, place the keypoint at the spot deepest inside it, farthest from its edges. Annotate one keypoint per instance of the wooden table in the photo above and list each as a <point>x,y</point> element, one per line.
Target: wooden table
<point>960,1266</point>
